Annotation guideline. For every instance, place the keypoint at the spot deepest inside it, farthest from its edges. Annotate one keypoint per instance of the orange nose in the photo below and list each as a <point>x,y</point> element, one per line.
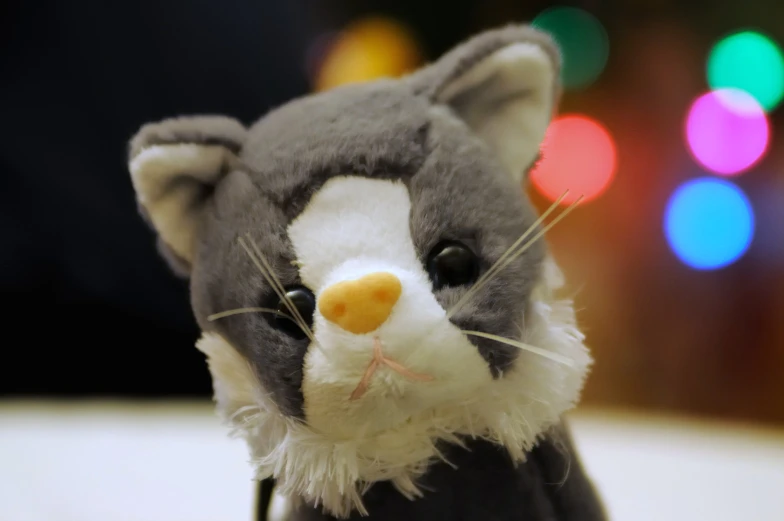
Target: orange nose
<point>362,305</point>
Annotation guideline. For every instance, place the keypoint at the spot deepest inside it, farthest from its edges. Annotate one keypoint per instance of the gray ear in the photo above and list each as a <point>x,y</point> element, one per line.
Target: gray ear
<point>174,167</point>
<point>504,84</point>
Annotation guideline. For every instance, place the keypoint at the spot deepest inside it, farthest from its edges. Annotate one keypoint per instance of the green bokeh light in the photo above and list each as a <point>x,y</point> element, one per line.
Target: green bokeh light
<point>749,61</point>
<point>583,40</point>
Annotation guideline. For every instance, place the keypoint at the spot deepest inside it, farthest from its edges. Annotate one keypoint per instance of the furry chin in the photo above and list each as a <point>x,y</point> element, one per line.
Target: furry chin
<point>512,411</point>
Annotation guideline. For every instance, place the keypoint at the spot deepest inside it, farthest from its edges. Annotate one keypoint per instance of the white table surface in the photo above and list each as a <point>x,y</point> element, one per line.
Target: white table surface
<point>174,462</point>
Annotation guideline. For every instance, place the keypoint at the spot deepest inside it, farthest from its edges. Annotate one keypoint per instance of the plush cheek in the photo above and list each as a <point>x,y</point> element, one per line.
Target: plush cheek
<point>425,362</point>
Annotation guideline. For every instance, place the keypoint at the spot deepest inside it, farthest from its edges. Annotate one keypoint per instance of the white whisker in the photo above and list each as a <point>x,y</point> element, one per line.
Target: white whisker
<point>526,347</point>
<point>541,233</point>
<point>528,232</point>
<point>492,270</point>
<point>238,311</point>
<point>291,305</point>
<point>511,256</point>
<point>276,281</point>
<point>278,290</point>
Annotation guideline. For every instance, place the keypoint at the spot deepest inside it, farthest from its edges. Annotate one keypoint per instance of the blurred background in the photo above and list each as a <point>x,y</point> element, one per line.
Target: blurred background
<point>668,125</point>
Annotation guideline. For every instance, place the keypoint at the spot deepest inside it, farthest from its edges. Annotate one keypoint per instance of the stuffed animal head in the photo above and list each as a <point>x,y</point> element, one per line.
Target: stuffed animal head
<point>358,271</point>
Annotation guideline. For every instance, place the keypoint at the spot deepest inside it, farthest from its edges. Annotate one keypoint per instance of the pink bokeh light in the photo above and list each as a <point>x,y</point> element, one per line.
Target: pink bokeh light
<point>727,131</point>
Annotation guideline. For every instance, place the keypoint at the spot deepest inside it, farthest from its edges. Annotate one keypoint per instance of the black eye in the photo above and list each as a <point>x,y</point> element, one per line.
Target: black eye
<point>303,300</point>
<point>452,264</point>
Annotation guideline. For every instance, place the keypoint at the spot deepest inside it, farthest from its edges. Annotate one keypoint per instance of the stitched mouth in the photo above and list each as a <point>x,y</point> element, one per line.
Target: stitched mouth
<point>378,361</point>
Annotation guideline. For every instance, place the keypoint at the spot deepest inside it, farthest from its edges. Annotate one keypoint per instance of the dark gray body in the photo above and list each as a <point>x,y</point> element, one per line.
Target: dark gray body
<point>486,486</point>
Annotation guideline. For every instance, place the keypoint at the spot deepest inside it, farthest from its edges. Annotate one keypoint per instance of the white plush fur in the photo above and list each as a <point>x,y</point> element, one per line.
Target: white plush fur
<point>392,432</point>
<point>169,180</point>
<point>352,227</point>
<point>507,99</point>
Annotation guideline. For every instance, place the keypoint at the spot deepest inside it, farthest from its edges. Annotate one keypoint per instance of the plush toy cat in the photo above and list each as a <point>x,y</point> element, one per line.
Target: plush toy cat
<point>378,308</point>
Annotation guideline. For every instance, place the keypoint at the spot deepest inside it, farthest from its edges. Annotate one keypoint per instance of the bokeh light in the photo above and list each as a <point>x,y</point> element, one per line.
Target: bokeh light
<point>727,131</point>
<point>748,61</point>
<point>368,49</point>
<point>709,223</point>
<point>578,154</point>
<point>583,40</point>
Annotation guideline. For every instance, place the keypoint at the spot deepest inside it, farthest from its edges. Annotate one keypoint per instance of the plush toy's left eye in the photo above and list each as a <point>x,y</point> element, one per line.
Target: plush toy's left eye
<point>452,263</point>
<point>305,303</point>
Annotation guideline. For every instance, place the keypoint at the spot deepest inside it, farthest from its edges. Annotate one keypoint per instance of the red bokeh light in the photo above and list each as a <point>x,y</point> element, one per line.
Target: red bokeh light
<point>579,155</point>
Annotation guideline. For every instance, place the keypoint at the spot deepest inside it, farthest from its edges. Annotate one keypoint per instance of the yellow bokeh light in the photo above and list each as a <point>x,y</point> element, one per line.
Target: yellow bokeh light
<point>368,49</point>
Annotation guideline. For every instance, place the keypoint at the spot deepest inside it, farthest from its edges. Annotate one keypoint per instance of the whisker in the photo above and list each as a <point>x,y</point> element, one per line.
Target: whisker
<point>494,268</point>
<point>238,311</point>
<point>477,286</point>
<point>526,347</point>
<point>278,291</point>
<point>528,232</point>
<point>541,233</point>
<point>276,280</point>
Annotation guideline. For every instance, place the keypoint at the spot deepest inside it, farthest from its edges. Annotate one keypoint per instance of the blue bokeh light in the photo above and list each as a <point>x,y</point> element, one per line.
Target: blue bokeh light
<point>709,223</point>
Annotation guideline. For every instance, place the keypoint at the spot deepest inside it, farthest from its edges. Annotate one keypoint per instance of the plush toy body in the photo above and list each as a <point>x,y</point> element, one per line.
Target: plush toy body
<point>378,312</point>
<point>486,485</point>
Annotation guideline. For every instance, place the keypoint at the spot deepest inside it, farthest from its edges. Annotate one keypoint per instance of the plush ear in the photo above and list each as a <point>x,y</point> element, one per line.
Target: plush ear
<point>175,165</point>
<point>504,84</point>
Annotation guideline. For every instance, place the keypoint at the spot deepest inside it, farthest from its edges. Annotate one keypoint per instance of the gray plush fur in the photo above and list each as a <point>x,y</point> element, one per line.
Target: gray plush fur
<point>431,80</point>
<point>392,129</point>
<point>208,129</point>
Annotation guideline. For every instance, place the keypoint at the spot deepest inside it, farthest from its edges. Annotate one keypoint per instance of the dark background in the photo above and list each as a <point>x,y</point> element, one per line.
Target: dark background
<point>89,309</point>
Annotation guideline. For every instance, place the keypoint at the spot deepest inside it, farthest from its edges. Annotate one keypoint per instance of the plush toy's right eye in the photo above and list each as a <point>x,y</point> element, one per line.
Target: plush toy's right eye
<point>304,302</point>
<point>452,263</point>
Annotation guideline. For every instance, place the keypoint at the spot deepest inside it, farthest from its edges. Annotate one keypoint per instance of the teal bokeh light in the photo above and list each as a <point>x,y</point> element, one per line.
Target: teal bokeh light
<point>749,61</point>
<point>583,40</point>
